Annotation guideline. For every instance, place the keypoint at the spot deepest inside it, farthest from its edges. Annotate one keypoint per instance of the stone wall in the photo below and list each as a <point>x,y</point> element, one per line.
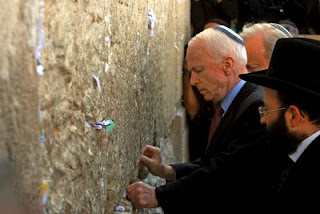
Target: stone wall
<point>19,140</point>
<point>68,64</point>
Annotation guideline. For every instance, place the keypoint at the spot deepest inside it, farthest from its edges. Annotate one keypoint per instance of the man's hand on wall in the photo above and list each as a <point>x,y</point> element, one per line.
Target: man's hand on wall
<point>142,195</point>
<point>151,158</point>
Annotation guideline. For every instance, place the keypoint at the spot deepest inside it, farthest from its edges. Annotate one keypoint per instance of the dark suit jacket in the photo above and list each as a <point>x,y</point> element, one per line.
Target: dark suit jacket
<point>301,191</point>
<point>226,177</point>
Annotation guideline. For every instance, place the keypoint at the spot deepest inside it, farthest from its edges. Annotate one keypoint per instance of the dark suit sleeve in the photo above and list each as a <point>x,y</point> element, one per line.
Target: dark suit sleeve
<point>227,178</point>
<point>184,169</point>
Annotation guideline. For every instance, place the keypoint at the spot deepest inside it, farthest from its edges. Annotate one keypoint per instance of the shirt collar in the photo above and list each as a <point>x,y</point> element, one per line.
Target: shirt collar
<point>226,102</point>
<point>303,145</point>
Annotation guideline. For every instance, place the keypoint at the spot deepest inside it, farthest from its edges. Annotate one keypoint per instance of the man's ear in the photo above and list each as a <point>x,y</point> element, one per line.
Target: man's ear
<point>228,64</point>
<point>294,117</point>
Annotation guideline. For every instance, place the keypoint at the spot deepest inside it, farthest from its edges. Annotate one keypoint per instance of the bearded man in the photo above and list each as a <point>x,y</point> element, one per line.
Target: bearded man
<point>291,113</point>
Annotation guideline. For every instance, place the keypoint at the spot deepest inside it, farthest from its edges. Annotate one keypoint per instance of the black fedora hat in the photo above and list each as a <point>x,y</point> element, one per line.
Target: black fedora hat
<point>294,67</point>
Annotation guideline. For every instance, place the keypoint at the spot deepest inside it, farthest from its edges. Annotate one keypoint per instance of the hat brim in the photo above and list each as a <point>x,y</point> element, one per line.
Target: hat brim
<point>261,78</point>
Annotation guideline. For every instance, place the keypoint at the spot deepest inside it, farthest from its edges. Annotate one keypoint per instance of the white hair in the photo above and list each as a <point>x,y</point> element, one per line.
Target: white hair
<point>270,33</point>
<point>219,44</point>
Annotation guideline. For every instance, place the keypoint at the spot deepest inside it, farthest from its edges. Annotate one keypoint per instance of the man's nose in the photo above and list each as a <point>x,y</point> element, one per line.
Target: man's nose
<point>194,80</point>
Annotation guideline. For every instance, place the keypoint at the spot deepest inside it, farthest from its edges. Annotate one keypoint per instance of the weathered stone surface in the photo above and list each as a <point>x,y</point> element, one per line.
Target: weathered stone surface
<point>19,136</point>
<point>139,89</point>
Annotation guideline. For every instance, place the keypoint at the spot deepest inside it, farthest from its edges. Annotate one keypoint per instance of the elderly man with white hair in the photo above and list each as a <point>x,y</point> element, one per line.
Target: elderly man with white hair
<point>216,57</point>
<point>260,39</point>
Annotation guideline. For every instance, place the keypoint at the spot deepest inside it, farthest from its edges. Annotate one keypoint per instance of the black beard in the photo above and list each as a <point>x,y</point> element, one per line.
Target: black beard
<point>281,139</point>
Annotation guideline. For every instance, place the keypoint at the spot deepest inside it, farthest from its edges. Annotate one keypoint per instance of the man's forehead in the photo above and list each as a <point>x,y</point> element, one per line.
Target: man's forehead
<point>192,48</point>
<point>197,63</point>
<point>196,53</point>
<point>269,90</point>
<point>270,94</point>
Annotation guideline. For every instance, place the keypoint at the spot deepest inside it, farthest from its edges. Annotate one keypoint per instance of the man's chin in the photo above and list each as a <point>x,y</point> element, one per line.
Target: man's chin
<point>202,92</point>
<point>206,98</point>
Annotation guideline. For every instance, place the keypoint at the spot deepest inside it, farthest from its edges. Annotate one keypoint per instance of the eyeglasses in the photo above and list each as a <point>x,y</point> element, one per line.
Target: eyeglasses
<point>263,111</point>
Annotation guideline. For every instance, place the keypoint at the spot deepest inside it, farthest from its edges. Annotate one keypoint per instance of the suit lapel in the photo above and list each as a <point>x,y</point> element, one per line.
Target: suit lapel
<point>301,169</point>
<point>230,115</point>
